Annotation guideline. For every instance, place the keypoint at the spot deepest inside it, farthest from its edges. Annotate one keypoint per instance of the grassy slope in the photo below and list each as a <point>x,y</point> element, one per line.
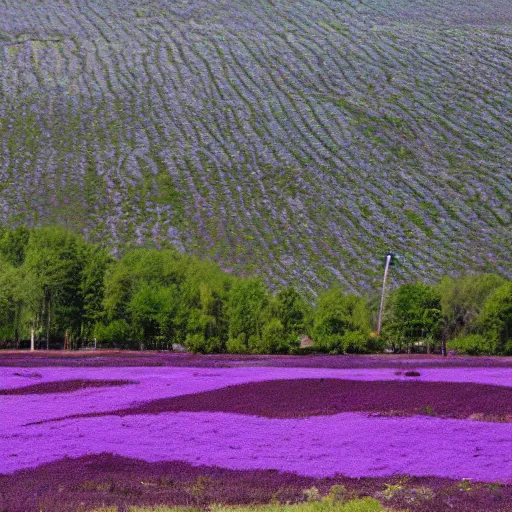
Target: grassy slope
<point>298,139</point>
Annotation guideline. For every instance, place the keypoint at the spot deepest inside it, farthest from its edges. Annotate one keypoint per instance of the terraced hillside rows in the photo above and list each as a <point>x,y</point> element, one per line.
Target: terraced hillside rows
<point>296,139</point>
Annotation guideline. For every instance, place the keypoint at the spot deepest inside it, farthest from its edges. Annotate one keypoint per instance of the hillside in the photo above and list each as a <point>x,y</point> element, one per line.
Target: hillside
<point>298,139</point>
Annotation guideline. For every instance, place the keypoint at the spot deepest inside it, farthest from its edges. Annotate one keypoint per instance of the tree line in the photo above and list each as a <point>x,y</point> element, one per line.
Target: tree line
<point>63,289</point>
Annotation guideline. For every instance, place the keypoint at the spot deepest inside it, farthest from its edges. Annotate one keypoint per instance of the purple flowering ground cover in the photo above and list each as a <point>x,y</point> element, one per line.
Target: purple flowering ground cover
<point>343,446</point>
<point>66,386</point>
<point>107,480</point>
<point>316,397</point>
<point>123,358</point>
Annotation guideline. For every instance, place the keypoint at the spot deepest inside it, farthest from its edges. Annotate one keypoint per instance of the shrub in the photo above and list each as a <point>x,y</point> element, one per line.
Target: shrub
<point>496,320</point>
<point>312,494</point>
<point>273,338</point>
<point>237,345</point>
<point>337,315</point>
<point>462,300</point>
<point>473,345</point>
<point>115,331</point>
<point>303,351</point>
<point>254,344</point>
<point>337,493</point>
<point>197,343</point>
<point>354,342</point>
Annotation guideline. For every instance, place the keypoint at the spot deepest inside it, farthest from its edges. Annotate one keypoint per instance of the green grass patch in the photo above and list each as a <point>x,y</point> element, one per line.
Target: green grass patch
<point>362,505</point>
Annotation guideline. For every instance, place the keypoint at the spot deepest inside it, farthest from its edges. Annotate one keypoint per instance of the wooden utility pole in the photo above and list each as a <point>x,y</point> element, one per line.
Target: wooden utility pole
<point>389,257</point>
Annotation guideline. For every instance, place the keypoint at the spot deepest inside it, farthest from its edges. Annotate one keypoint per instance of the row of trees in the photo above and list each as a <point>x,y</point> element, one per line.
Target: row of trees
<point>56,285</point>
<point>471,314</point>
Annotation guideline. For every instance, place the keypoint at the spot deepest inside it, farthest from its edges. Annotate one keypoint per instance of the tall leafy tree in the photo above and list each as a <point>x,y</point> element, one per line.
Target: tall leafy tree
<point>414,314</point>
<point>13,244</point>
<point>247,301</point>
<point>92,287</point>
<point>337,317</point>
<point>462,300</point>
<point>496,319</point>
<point>55,258</point>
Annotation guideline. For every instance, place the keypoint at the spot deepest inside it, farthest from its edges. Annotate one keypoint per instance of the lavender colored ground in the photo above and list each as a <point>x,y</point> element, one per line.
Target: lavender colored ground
<point>315,397</point>
<point>349,443</point>
<point>113,358</point>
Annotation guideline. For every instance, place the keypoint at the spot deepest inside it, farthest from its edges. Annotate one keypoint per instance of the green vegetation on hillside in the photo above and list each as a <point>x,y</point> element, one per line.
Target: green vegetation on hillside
<point>59,287</point>
<point>295,139</point>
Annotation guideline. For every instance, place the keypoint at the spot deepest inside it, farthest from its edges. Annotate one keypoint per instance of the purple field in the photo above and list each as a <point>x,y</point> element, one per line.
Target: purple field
<point>302,398</point>
<point>307,423</point>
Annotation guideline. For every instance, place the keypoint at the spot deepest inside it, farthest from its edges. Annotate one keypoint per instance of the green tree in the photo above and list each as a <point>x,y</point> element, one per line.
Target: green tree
<point>92,287</point>
<point>274,339</point>
<point>496,319</point>
<point>414,314</point>
<point>246,303</point>
<point>150,307</point>
<point>13,244</point>
<point>169,297</point>
<point>202,311</point>
<point>336,316</point>
<point>10,302</point>
<point>462,300</point>
<point>55,259</point>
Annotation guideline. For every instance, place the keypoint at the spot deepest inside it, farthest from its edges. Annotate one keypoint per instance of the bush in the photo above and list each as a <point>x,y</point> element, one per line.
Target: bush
<point>254,344</point>
<point>303,351</point>
<point>339,315</point>
<point>496,320</point>
<point>355,343</point>
<point>237,345</point>
<point>117,331</point>
<point>472,345</point>
<point>273,338</point>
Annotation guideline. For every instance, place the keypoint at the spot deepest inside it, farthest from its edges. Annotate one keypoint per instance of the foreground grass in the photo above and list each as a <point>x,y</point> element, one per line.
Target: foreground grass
<point>363,505</point>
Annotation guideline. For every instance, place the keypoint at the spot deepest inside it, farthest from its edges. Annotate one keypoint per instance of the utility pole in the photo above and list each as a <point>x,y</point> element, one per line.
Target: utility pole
<point>390,261</point>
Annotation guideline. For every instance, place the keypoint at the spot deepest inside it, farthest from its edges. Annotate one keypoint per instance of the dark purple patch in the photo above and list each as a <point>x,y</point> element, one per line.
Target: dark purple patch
<point>106,480</point>
<point>301,398</point>
<point>119,358</point>
<point>412,373</point>
<point>64,386</point>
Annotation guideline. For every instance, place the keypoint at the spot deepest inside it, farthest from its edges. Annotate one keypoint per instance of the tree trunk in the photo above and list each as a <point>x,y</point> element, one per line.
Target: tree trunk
<point>17,326</point>
<point>48,324</point>
<point>32,345</point>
